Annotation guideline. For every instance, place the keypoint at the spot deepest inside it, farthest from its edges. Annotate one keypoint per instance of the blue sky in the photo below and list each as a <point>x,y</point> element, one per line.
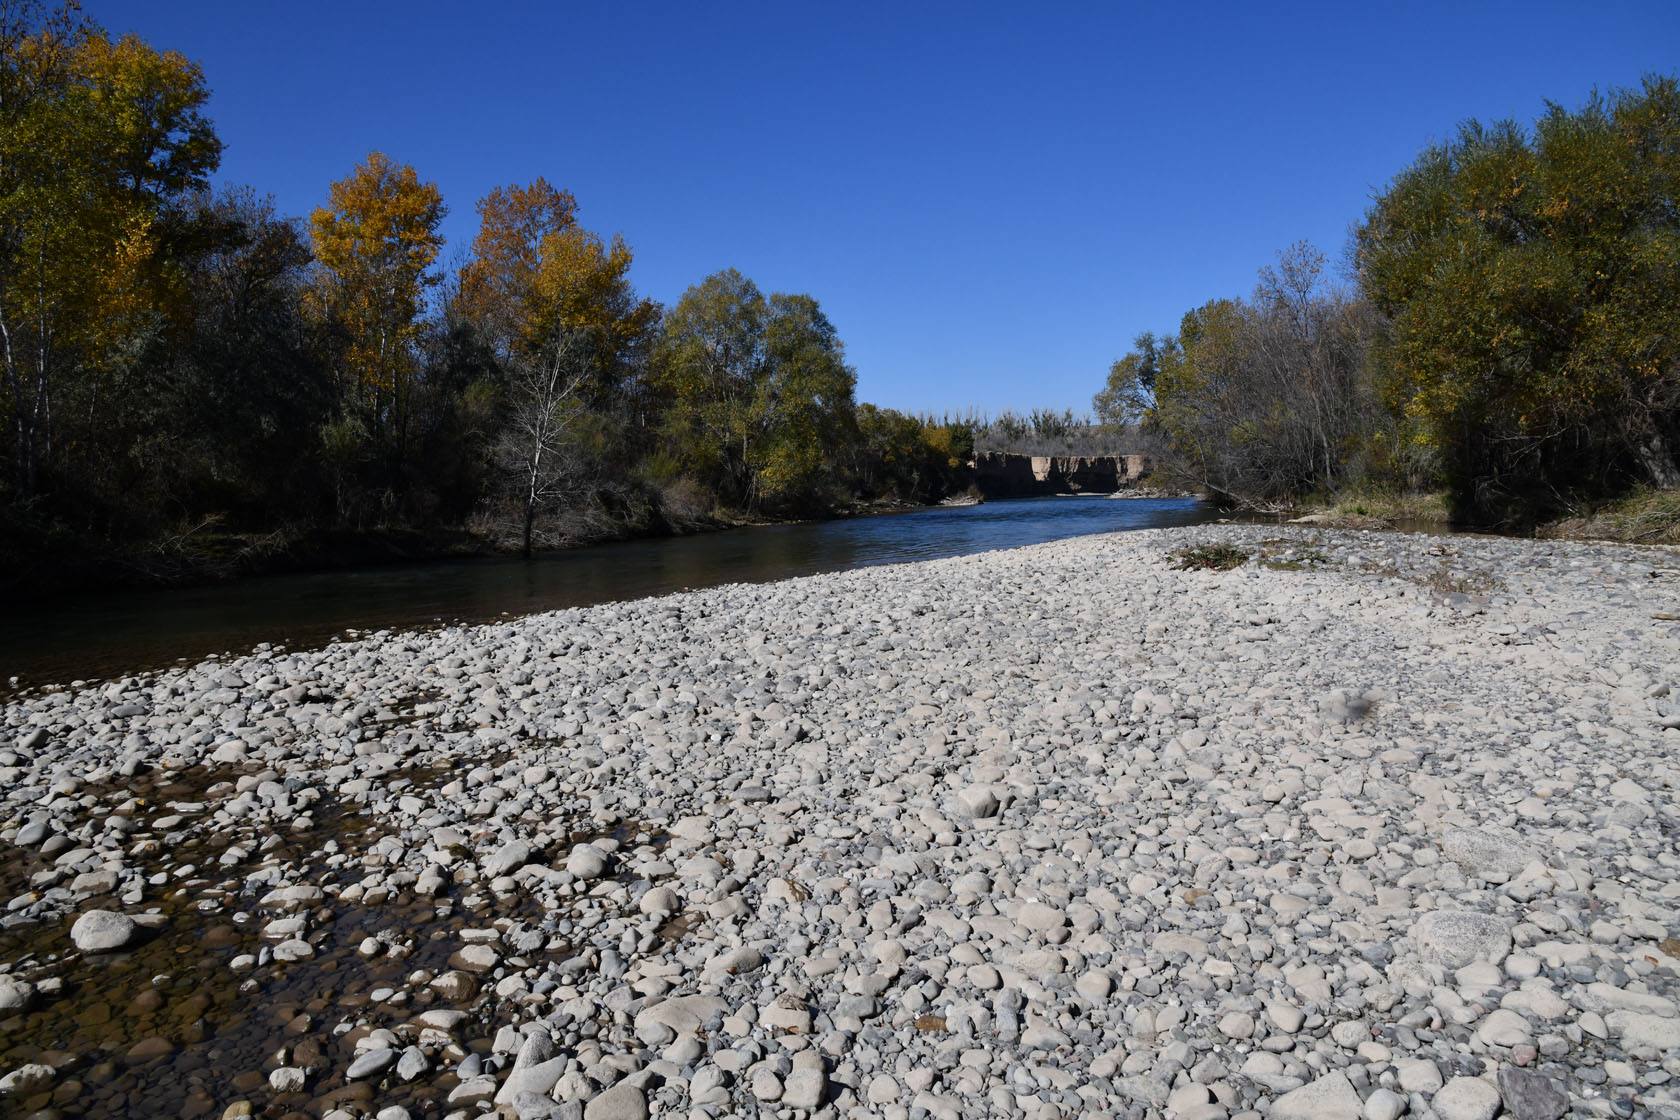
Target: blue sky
<point>989,201</point>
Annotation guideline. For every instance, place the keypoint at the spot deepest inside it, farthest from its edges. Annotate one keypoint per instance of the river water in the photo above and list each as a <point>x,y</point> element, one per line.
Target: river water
<point>114,633</point>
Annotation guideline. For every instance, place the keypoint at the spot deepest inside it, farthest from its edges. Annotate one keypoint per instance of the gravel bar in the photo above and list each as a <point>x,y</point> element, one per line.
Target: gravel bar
<point>1370,825</point>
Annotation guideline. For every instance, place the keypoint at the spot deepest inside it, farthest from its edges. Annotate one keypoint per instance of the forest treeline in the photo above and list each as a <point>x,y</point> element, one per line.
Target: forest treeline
<point>190,375</point>
<point>1511,333</point>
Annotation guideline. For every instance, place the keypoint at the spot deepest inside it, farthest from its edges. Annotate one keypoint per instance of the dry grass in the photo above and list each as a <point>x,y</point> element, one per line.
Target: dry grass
<point>1643,517</point>
<point>1208,557</point>
<point>1387,506</point>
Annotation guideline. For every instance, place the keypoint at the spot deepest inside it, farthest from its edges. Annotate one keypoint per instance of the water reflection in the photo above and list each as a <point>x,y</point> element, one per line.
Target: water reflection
<point>113,633</point>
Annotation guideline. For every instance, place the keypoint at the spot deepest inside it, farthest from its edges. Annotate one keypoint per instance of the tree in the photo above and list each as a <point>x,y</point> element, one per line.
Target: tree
<point>556,304</point>
<point>99,141</point>
<point>709,362</point>
<point>759,397</point>
<point>1130,392</point>
<point>498,282</point>
<point>1264,400</point>
<point>803,411</point>
<point>539,441</point>
<point>1532,282</point>
<point>227,410</point>
<point>582,284</point>
<point>374,243</point>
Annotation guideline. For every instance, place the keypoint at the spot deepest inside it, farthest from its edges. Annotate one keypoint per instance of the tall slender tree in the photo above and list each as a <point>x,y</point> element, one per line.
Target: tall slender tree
<point>375,242</point>
<point>556,304</point>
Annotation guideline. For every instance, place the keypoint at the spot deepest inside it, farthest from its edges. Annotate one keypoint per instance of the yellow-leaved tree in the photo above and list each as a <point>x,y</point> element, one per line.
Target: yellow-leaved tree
<point>557,307</point>
<point>375,242</point>
<point>100,141</point>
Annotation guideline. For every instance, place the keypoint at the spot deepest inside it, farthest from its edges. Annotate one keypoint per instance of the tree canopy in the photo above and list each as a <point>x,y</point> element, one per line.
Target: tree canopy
<point>100,143</point>
<point>758,394</point>
<point>1531,280</point>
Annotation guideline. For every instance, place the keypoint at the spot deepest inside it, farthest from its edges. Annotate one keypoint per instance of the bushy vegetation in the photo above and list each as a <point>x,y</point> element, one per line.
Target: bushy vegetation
<point>1514,333</point>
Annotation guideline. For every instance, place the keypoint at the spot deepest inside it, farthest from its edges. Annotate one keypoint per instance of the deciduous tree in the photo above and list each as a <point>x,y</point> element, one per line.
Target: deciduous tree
<point>1533,283</point>
<point>1267,399</point>
<point>760,399</point>
<point>375,242</point>
<point>556,303</point>
<point>99,142</point>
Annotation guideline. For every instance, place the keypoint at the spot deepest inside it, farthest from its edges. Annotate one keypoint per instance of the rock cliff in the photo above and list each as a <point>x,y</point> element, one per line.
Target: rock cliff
<point>1002,475</point>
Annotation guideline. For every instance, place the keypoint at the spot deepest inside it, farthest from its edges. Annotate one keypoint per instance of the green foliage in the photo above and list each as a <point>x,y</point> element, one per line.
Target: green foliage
<point>919,459</point>
<point>1264,400</point>
<point>1533,283</point>
<point>1130,391</point>
<point>756,393</point>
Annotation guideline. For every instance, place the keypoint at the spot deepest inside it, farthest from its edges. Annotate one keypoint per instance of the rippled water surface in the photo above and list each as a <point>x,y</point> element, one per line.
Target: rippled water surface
<point>115,633</point>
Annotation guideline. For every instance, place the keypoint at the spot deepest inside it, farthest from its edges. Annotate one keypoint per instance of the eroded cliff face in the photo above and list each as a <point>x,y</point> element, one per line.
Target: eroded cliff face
<point>1002,475</point>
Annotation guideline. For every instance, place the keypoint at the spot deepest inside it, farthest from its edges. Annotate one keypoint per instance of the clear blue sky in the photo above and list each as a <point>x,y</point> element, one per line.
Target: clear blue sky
<point>989,201</point>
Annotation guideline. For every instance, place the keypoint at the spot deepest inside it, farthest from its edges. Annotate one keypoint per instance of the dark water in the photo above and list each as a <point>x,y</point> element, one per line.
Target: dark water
<point>109,634</point>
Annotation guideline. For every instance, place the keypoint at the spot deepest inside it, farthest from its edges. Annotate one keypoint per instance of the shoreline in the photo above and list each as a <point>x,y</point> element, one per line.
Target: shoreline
<point>1373,820</point>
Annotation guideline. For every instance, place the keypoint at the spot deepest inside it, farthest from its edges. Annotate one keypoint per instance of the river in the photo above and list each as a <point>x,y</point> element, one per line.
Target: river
<point>115,633</point>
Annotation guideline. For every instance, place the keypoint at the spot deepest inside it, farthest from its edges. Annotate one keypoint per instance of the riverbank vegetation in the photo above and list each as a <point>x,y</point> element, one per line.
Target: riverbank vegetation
<point>1511,337</point>
<point>194,383</point>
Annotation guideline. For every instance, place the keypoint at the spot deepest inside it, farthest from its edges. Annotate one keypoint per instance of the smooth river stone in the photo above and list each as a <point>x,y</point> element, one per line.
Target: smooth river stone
<point>102,931</point>
<point>1455,938</point>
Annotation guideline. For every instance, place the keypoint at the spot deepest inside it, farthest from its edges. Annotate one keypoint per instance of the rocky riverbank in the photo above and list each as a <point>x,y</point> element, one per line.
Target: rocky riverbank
<point>1370,825</point>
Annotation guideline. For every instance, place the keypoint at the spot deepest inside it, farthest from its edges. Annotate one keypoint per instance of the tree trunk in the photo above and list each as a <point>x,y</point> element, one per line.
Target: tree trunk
<point>1657,460</point>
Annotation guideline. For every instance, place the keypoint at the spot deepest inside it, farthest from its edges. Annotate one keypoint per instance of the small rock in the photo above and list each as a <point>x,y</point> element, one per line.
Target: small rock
<point>1483,851</point>
<point>296,949</point>
<point>1455,938</point>
<point>507,859</point>
<point>1384,1105</point>
<point>1417,1075</point>
<point>980,801</point>
<point>371,1064</point>
<point>288,1079</point>
<point>659,901</point>
<point>622,1102</point>
<point>805,1089</point>
<point>1331,1097</point>
<point>1504,1028</point>
<point>588,862</point>
<point>15,995</point>
<point>27,1078</point>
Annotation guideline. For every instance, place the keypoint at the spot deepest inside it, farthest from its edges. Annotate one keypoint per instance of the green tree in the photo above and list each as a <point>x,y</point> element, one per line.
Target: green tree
<point>1130,391</point>
<point>803,411</point>
<point>757,392</point>
<point>1533,287</point>
<point>707,365</point>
